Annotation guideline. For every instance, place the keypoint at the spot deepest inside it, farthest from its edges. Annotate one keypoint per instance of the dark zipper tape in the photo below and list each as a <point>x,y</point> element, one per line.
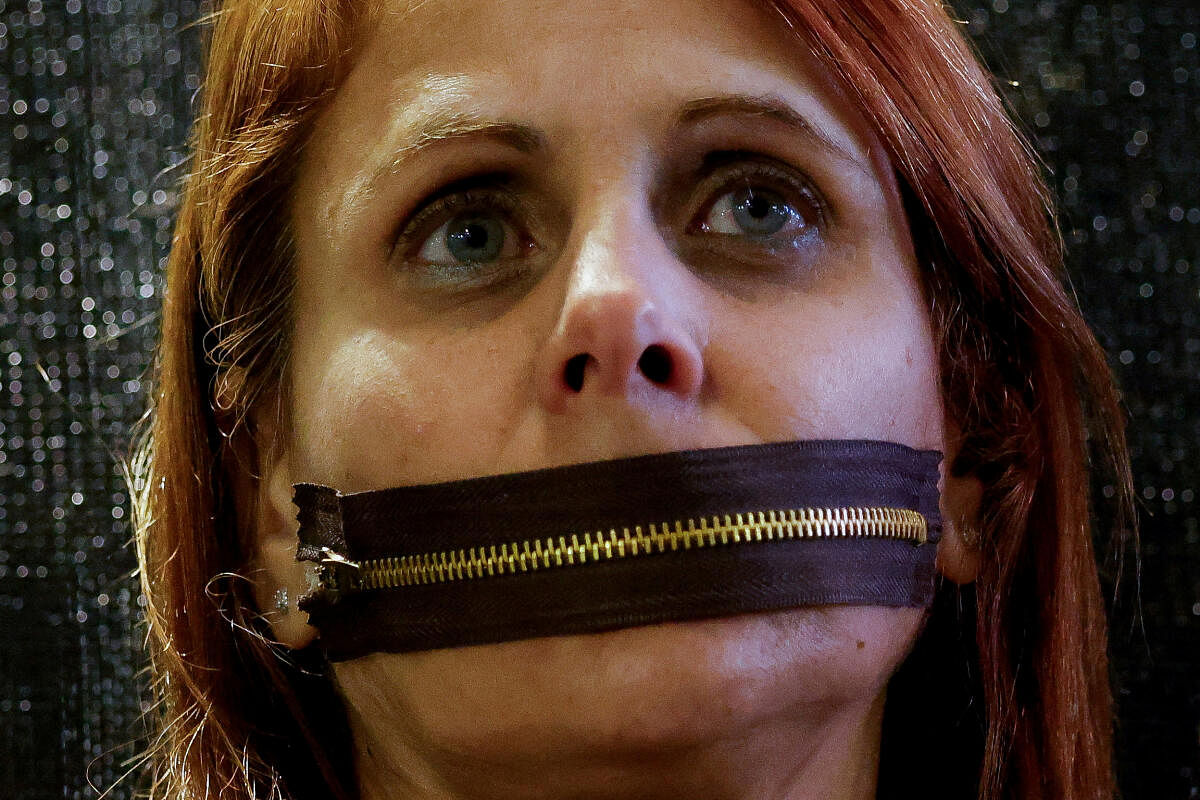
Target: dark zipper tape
<point>684,585</point>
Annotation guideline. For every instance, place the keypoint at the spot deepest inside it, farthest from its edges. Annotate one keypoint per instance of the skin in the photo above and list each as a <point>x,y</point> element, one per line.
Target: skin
<point>618,237</point>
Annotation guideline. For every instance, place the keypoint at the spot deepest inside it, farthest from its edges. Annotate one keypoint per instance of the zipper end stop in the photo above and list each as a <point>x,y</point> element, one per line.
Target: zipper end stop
<point>331,577</point>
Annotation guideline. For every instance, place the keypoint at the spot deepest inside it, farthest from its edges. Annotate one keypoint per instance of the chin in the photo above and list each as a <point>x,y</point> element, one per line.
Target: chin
<point>637,692</point>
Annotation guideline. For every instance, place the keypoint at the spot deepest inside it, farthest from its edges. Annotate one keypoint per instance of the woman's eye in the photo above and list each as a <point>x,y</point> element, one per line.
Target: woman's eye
<point>469,237</point>
<point>753,217</point>
<point>755,207</point>
<point>474,237</point>
<point>757,213</point>
<point>753,211</point>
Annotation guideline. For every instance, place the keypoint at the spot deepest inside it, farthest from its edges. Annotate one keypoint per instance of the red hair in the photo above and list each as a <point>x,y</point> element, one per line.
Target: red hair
<point>1021,371</point>
<point>1022,375</point>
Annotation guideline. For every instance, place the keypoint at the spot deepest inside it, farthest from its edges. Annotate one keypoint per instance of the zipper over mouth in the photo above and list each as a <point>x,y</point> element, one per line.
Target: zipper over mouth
<point>598,546</point>
<point>334,576</point>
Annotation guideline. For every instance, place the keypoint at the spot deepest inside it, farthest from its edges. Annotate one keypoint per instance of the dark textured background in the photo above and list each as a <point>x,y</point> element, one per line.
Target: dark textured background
<point>94,108</point>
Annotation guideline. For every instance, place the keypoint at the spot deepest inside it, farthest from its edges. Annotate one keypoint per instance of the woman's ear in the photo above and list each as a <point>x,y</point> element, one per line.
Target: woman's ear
<point>962,495</point>
<point>255,462</point>
<point>958,551</point>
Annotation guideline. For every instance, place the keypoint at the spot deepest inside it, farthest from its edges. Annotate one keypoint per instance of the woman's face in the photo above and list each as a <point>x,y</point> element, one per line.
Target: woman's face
<point>531,234</point>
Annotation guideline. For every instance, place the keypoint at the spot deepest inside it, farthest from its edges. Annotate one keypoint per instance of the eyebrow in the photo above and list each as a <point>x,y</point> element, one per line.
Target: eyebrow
<point>447,125</point>
<point>699,110</point>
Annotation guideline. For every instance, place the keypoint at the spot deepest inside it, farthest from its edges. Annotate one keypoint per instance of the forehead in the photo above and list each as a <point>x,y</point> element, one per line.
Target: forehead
<point>472,31</point>
<point>554,63</point>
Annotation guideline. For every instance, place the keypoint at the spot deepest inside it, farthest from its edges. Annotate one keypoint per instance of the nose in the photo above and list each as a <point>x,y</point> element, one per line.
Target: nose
<point>623,329</point>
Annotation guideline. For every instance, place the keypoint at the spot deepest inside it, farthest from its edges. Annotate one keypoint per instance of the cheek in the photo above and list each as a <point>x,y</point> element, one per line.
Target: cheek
<point>372,411</point>
<point>836,371</point>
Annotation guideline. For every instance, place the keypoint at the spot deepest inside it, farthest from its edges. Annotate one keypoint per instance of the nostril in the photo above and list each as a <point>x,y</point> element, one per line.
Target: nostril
<point>573,374</point>
<point>656,364</point>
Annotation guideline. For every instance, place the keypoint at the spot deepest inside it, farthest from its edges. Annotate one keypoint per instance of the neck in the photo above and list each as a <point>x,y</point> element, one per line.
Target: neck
<point>786,758</point>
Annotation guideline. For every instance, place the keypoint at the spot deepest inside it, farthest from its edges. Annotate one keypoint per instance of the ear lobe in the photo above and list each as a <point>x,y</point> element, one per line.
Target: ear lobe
<point>958,550</point>
<point>256,464</point>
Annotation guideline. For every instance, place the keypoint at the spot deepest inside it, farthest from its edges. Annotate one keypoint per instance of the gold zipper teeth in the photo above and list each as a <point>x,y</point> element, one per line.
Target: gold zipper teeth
<point>618,543</point>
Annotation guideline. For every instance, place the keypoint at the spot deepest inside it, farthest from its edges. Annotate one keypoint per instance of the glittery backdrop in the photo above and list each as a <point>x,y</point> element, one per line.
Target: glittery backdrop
<point>94,107</point>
